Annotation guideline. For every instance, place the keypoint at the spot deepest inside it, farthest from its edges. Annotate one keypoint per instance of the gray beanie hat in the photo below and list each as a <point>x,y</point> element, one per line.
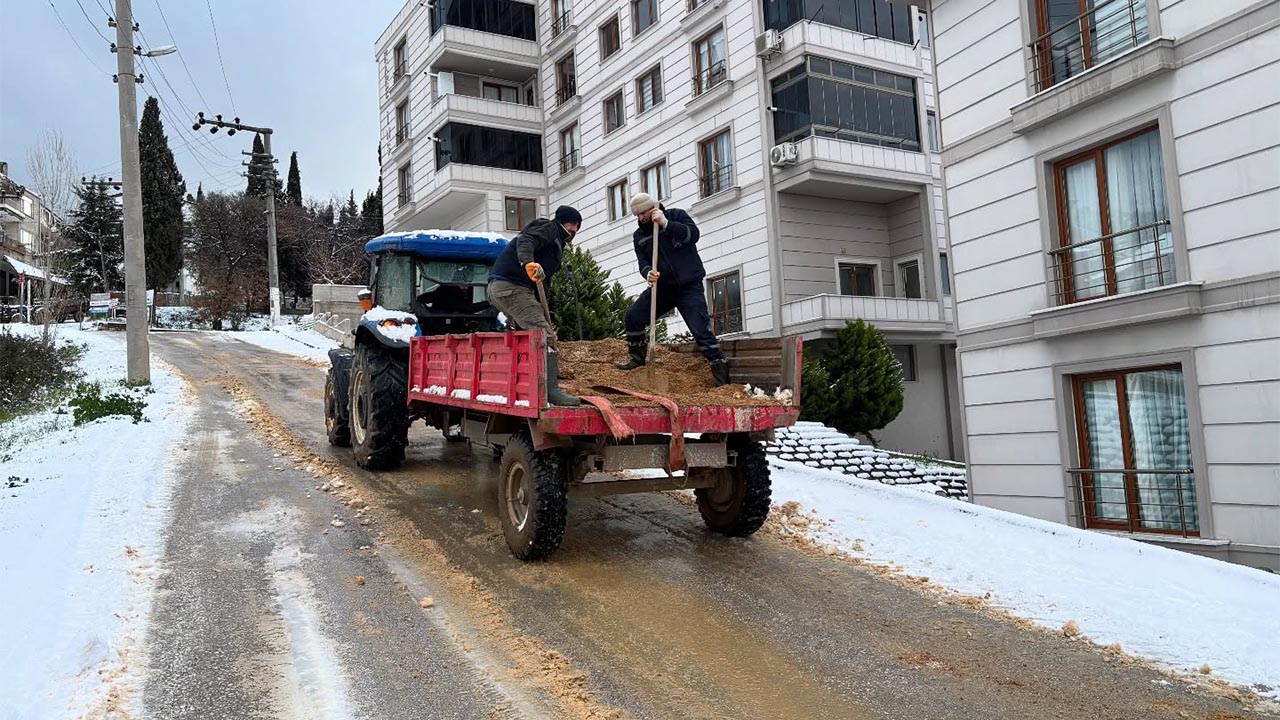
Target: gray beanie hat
<point>642,202</point>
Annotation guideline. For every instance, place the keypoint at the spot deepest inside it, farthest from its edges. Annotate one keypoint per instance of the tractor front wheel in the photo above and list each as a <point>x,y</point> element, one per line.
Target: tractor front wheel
<point>379,408</point>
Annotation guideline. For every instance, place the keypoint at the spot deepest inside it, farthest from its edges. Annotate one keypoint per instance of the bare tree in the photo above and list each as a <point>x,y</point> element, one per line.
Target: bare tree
<point>52,168</point>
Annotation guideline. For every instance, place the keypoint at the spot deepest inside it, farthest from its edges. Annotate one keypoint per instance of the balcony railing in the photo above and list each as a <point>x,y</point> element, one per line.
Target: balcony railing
<point>570,160</point>
<point>889,312</point>
<point>561,23</point>
<point>398,72</point>
<point>709,77</point>
<point>1161,500</point>
<point>715,181</point>
<point>402,134</point>
<point>1108,29</point>
<point>1122,262</point>
<point>566,92</point>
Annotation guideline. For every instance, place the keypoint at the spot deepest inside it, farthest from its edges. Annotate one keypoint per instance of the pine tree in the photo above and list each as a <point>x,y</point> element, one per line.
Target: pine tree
<point>600,303</point>
<point>856,384</point>
<point>97,241</point>
<point>293,191</point>
<point>163,191</point>
<point>257,172</point>
<point>371,214</point>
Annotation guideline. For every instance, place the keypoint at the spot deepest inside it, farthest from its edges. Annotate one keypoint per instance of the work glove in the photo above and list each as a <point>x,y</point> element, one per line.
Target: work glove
<point>534,270</point>
<point>656,215</point>
<point>653,277</point>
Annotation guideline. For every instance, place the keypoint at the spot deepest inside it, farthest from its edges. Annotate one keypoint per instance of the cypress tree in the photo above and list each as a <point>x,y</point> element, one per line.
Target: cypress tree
<point>97,241</point>
<point>293,191</point>
<point>162,193</point>
<point>200,192</point>
<point>257,172</point>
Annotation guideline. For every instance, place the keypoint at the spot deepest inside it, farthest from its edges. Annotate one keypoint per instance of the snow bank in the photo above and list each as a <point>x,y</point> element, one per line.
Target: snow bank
<point>292,339</point>
<point>81,534</point>
<point>1180,609</point>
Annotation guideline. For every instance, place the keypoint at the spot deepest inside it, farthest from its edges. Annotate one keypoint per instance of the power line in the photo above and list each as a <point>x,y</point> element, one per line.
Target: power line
<point>73,39</point>
<point>218,46</point>
<point>168,29</point>
<point>188,112</point>
<point>92,23</point>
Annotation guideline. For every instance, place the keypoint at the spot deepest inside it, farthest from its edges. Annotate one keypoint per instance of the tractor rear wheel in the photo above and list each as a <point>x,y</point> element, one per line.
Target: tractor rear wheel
<point>379,408</point>
<point>337,406</point>
<point>738,503</point>
<point>533,498</point>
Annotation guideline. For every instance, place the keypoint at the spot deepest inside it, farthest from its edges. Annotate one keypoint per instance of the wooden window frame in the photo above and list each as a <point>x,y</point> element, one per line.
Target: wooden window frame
<point>566,83</point>
<point>654,74</point>
<point>854,263</point>
<point>600,33</point>
<point>404,182</point>
<point>701,87</point>
<point>485,84</point>
<point>635,17</point>
<point>706,172</point>
<point>716,327</point>
<point>402,122</point>
<point>621,99</point>
<point>620,212</point>
<point>521,220</point>
<point>664,188</point>
<point>567,153</point>
<point>1064,263</point>
<point>1132,500</point>
<point>400,60</point>
<point>561,16</point>
<point>1047,78</point>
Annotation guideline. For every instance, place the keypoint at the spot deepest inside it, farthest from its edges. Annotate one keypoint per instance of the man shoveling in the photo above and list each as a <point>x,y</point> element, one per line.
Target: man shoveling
<point>519,278</point>
<point>677,280</point>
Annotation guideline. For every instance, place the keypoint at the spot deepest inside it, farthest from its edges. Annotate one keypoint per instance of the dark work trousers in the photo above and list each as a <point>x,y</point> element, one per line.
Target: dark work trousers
<point>692,305</point>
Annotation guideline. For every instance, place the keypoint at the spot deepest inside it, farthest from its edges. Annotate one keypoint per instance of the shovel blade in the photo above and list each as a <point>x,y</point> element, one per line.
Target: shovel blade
<point>656,380</point>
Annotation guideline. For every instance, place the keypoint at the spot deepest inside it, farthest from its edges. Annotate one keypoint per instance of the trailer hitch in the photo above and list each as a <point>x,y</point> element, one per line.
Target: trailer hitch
<point>677,432</point>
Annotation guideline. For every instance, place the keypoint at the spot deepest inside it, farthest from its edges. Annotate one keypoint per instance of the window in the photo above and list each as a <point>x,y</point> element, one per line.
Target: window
<point>857,279</point>
<point>932,122</point>
<point>909,279</point>
<point>1113,221</point>
<point>502,93</point>
<point>710,68</point>
<point>501,17</point>
<point>922,29</point>
<point>644,15</point>
<point>1075,35</point>
<point>715,164</point>
<point>615,112</point>
<point>1135,451</point>
<point>695,4</point>
<point>561,16</point>
<point>829,98</point>
<point>888,19</point>
<point>566,79</point>
<point>570,155</point>
<point>610,38</point>
<point>655,181</point>
<point>618,200</point>
<point>405,177</point>
<point>906,357</point>
<point>726,303</point>
<point>944,265</point>
<point>402,122</point>
<point>398,67</point>
<point>649,90</point>
<point>519,212</point>
<point>488,147</point>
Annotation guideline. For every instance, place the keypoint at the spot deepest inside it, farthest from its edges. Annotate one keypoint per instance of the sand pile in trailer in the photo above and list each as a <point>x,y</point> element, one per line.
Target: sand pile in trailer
<point>586,365</point>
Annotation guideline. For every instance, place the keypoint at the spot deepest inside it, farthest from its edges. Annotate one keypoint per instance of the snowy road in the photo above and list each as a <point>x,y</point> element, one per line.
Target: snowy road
<point>267,607</point>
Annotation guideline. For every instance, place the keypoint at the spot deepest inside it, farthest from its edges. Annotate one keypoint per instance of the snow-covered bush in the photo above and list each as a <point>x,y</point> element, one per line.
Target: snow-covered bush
<point>34,370</point>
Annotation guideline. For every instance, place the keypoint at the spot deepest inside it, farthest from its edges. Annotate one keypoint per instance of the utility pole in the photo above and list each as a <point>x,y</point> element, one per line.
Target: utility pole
<point>273,267</point>
<point>137,344</point>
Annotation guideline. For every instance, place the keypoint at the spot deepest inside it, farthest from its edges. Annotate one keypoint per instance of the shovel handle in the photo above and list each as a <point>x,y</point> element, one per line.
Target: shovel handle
<point>653,302</point>
<point>546,309</point>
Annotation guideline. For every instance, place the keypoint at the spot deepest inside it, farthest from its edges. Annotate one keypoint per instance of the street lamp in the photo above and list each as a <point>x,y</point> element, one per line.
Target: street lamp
<point>162,50</point>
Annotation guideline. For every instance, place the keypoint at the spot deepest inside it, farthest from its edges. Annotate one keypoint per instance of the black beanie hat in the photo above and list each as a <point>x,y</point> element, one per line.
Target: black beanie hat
<point>566,214</point>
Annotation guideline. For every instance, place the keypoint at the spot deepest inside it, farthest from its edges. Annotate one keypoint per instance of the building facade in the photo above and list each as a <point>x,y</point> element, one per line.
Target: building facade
<point>1112,173</point>
<point>26,229</point>
<point>801,135</point>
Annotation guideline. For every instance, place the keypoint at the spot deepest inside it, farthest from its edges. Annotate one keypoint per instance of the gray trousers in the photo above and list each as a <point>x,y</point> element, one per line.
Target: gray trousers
<point>521,306</point>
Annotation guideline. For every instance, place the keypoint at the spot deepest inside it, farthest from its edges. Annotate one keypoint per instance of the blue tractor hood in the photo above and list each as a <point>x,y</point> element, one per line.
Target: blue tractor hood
<point>441,244</point>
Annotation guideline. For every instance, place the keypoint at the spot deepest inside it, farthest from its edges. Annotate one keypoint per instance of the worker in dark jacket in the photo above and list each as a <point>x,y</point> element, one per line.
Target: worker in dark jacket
<point>677,280</point>
<point>532,257</point>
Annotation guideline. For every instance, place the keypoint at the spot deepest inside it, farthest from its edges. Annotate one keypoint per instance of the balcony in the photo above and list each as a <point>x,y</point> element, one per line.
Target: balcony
<point>853,171</point>
<point>813,315</point>
<point>450,192</point>
<point>564,32</point>
<point>484,111</point>
<point>811,38</point>
<point>481,53</point>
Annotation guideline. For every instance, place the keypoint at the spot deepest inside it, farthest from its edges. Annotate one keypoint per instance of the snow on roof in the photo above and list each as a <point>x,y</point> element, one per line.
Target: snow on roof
<point>30,270</point>
<point>446,235</point>
<point>441,243</point>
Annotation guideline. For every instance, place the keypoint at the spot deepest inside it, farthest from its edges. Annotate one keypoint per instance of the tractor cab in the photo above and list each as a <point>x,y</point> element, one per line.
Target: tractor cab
<point>439,276</point>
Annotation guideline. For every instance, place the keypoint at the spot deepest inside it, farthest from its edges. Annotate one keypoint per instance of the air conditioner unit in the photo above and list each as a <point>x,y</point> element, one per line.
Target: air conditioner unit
<point>784,154</point>
<point>768,43</point>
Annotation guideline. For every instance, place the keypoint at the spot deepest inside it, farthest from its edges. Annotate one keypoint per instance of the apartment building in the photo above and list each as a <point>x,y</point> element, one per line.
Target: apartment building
<point>1113,197</point>
<point>800,134</point>
<point>26,226</point>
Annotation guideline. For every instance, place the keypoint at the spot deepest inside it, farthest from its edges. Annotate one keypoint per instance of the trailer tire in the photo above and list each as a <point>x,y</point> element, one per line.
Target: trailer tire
<point>533,498</point>
<point>337,406</point>
<point>738,503</point>
<point>379,408</point>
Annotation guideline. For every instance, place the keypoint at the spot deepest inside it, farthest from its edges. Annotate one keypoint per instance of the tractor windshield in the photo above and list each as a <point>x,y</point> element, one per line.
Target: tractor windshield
<point>445,295</point>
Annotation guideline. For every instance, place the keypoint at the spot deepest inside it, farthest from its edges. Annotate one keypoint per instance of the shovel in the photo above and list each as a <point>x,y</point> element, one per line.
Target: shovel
<point>655,380</point>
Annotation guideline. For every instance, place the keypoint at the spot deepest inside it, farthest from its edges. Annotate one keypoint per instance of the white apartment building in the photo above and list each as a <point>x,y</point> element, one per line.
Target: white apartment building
<point>26,227</point>
<point>1113,196</point>
<point>800,134</point>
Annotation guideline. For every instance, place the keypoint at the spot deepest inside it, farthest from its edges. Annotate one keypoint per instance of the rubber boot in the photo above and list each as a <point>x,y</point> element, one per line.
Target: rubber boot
<point>637,348</point>
<point>555,395</point>
<point>720,371</point>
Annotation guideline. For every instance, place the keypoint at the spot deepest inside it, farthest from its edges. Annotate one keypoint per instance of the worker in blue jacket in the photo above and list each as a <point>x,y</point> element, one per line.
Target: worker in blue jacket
<point>677,280</point>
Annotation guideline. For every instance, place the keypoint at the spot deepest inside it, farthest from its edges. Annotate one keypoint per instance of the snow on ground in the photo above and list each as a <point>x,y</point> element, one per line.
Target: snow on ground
<point>80,541</point>
<point>290,338</point>
<point>1176,608</point>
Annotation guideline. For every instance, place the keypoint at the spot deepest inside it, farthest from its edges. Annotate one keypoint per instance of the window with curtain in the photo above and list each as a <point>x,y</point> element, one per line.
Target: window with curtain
<point>561,16</point>
<point>566,79</point>
<point>615,112</point>
<point>399,68</point>
<point>1135,451</point>
<point>655,181</point>
<point>610,38</point>
<point>710,67</point>
<point>726,303</point>
<point>644,14</point>
<point>1113,219</point>
<point>715,164</point>
<point>649,90</point>
<point>1075,35</point>
<point>502,93</point>
<point>618,200</point>
<point>402,122</point>
<point>569,155</point>
<point>857,279</point>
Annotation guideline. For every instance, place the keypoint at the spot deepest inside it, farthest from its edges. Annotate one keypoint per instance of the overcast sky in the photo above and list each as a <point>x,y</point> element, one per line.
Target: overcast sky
<point>302,67</point>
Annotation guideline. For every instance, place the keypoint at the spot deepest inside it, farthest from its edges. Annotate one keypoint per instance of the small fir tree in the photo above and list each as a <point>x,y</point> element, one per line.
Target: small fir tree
<point>854,386</point>
<point>97,241</point>
<point>600,304</point>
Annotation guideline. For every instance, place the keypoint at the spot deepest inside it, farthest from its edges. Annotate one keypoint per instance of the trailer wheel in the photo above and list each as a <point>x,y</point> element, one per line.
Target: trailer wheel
<point>533,498</point>
<point>738,503</point>
<point>337,407</point>
<point>379,408</point>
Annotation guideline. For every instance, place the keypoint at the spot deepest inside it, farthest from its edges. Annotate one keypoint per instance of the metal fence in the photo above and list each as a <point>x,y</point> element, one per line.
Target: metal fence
<point>717,180</point>
<point>1147,500</point>
<point>1125,261</point>
<point>561,23</point>
<point>566,92</point>
<point>1102,32</point>
<point>705,79</point>
<point>570,160</point>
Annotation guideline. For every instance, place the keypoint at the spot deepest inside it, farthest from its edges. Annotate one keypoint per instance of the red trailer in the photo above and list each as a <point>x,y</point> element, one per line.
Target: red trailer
<point>490,388</point>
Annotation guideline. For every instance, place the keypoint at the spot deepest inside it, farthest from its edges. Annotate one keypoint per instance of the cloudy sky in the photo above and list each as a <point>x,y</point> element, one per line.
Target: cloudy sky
<point>302,67</point>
